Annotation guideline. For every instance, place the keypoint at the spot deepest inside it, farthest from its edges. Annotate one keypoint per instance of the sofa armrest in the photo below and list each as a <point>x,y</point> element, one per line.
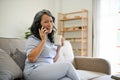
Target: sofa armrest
<point>93,64</point>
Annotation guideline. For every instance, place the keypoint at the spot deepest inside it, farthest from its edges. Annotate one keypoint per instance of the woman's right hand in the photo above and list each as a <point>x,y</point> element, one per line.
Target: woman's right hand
<point>42,33</point>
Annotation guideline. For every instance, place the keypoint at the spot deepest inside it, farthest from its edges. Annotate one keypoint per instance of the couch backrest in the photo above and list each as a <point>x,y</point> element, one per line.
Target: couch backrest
<point>10,44</point>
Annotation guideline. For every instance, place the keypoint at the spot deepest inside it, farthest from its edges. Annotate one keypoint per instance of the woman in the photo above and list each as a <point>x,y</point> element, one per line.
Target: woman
<point>42,52</point>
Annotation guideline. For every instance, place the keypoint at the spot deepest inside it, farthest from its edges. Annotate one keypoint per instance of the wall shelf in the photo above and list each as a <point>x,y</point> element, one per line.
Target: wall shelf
<point>74,27</point>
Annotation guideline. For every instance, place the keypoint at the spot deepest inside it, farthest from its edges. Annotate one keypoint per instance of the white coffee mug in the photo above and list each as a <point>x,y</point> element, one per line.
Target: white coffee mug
<point>58,40</point>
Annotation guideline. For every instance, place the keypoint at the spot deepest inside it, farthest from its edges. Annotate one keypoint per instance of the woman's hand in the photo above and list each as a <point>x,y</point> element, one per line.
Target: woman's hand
<point>42,33</point>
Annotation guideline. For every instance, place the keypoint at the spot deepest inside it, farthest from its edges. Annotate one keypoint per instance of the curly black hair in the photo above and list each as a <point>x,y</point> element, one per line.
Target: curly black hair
<point>36,25</point>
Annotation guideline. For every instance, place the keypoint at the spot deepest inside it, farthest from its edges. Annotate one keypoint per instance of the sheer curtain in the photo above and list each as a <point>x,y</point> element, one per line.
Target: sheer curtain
<point>96,27</point>
<point>105,21</point>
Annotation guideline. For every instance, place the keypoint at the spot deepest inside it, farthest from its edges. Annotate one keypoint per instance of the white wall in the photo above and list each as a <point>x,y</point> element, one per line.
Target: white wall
<point>16,16</point>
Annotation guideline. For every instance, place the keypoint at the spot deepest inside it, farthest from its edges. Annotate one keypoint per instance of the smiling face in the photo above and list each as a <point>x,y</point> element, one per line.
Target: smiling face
<point>47,22</point>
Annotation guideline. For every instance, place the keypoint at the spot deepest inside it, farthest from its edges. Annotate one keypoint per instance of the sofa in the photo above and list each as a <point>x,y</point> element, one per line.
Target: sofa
<point>12,58</point>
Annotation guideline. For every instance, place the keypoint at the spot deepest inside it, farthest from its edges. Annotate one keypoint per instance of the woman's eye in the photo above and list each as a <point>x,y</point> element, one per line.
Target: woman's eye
<point>46,22</point>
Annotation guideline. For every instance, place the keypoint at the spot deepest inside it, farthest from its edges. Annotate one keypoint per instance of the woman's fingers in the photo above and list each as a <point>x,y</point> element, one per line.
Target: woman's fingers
<point>42,33</point>
<point>44,30</point>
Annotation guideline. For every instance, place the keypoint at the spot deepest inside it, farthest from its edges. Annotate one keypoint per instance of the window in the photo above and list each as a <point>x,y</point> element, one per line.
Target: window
<point>108,21</point>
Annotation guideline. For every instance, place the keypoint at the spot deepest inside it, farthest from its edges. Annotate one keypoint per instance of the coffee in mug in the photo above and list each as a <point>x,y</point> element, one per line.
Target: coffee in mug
<point>58,40</point>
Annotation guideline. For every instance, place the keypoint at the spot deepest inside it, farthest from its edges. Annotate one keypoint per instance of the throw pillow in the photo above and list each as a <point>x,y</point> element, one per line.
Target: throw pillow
<point>8,67</point>
<point>19,57</point>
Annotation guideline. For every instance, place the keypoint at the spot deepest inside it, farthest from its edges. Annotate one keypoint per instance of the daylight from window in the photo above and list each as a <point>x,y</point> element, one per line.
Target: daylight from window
<point>110,33</point>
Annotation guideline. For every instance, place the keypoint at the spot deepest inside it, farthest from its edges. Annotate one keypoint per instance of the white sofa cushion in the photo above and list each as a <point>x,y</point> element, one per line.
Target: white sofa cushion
<point>88,75</point>
<point>66,53</point>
